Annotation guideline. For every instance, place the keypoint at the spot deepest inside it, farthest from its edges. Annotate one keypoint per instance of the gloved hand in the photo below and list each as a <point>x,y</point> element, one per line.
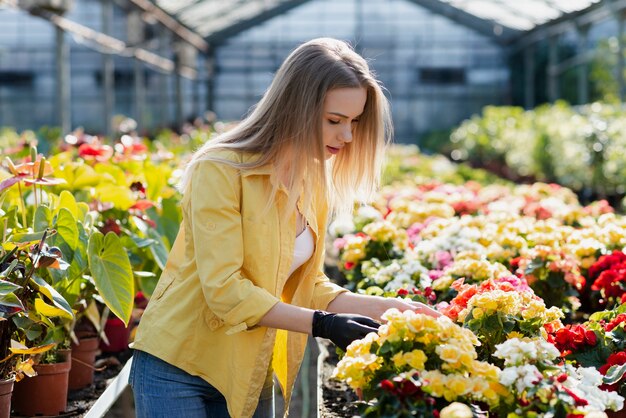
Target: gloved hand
<point>342,329</point>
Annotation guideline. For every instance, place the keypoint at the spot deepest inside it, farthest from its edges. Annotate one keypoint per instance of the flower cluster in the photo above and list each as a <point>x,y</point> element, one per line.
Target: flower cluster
<point>497,309</point>
<point>553,275</point>
<point>609,275</point>
<point>437,353</point>
<point>541,387</point>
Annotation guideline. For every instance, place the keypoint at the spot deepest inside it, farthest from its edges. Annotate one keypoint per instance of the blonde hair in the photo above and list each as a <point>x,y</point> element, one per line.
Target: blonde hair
<point>285,128</point>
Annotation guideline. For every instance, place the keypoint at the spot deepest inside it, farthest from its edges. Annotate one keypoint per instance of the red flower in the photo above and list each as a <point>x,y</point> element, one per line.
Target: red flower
<point>606,262</point>
<point>403,292</point>
<point>574,338</point>
<point>95,152</point>
<point>388,386</point>
<point>614,359</point>
<point>349,265</point>
<point>615,322</point>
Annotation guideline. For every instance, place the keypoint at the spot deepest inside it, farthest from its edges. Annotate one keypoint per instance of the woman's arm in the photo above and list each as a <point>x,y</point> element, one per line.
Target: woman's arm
<point>288,317</point>
<point>375,306</point>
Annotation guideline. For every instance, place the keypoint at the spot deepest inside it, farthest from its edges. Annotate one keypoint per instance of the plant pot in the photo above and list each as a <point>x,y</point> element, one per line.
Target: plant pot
<point>6,389</point>
<point>83,358</point>
<point>44,394</point>
<point>117,334</point>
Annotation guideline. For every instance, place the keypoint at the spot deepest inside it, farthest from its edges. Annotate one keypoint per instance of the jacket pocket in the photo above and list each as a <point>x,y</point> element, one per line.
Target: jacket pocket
<point>165,282</point>
<point>211,320</point>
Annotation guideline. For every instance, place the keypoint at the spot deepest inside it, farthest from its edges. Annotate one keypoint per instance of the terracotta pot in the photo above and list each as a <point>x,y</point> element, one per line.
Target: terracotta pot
<point>44,394</point>
<point>117,334</point>
<point>83,358</point>
<point>6,388</point>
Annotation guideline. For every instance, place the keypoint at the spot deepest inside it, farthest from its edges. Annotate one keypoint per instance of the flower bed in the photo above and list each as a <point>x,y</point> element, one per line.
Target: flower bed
<point>527,278</point>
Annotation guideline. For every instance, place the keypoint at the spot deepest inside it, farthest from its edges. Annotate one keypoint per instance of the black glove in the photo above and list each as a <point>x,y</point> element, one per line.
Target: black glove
<point>342,329</point>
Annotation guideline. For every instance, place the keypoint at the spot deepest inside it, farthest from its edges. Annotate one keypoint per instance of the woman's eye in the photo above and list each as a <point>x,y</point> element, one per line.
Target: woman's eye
<point>333,122</point>
<point>355,121</point>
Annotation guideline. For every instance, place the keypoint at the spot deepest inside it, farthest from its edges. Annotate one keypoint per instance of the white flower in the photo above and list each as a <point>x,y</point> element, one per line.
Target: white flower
<point>369,213</point>
<point>340,227</point>
<point>508,376</point>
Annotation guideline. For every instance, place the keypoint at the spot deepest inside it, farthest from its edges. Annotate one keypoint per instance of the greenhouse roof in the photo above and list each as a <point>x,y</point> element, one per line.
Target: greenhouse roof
<point>217,19</point>
<point>520,15</point>
<point>212,18</point>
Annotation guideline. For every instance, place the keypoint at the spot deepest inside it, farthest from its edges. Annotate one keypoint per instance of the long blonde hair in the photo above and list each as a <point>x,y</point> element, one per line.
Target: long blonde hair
<point>285,128</point>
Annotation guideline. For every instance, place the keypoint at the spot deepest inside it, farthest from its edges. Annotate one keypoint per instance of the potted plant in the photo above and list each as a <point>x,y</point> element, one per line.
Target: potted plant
<point>30,338</point>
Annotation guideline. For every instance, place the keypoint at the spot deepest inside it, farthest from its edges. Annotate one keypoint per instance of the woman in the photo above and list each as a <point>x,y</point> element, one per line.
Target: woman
<point>244,282</point>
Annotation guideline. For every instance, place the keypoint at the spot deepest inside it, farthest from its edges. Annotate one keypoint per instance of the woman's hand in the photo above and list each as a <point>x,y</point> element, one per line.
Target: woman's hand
<point>375,306</point>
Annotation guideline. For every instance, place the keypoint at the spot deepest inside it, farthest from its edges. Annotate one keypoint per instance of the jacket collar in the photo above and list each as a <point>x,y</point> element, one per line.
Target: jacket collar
<point>264,170</point>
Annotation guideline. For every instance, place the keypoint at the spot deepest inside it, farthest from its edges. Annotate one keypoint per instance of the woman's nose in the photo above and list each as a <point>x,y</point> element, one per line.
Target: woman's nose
<point>346,135</point>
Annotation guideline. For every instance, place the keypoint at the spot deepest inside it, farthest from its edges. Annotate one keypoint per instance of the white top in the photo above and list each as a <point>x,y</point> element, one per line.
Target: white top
<point>303,249</point>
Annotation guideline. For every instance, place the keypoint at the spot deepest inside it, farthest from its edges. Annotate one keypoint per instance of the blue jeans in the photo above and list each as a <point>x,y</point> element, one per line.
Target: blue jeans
<point>163,390</point>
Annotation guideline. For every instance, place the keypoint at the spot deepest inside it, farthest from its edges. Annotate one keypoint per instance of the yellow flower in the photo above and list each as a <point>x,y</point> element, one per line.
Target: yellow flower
<point>448,353</point>
<point>416,359</point>
<point>398,360</point>
<point>477,313</point>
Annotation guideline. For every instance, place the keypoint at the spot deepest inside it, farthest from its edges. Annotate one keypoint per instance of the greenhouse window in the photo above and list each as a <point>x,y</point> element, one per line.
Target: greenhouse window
<point>16,78</point>
<point>442,76</point>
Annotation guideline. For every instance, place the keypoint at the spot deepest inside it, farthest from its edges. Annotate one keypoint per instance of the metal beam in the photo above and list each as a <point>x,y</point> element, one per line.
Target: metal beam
<point>500,33</point>
<point>222,35</point>
<point>172,24</point>
<point>113,44</point>
<point>568,21</point>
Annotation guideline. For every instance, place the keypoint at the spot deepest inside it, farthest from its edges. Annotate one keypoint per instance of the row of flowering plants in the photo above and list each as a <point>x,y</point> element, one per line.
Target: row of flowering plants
<point>535,281</point>
<point>83,229</point>
<point>579,147</point>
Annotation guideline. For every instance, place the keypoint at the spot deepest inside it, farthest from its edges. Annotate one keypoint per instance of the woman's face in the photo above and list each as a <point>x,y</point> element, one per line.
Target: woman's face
<point>342,109</point>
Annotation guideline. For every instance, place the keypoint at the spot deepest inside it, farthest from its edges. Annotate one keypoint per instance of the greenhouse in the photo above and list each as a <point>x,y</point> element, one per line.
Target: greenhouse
<point>313,208</point>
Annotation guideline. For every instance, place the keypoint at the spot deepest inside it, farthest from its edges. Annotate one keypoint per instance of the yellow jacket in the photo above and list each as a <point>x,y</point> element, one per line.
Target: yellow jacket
<point>227,268</point>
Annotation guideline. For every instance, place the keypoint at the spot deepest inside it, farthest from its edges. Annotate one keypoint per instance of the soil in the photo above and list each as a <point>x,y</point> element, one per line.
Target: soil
<point>338,400</point>
<point>81,400</point>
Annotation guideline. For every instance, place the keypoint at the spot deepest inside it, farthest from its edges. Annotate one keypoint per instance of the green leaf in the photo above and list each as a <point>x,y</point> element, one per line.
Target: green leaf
<point>67,229</point>
<point>112,174</point>
<point>31,328</point>
<point>27,237</point>
<point>85,176</point>
<point>83,210</point>
<point>43,218</point>
<point>121,196</point>
<point>11,300</point>
<point>147,282</point>
<point>614,374</point>
<point>8,287</point>
<point>12,266</point>
<point>112,273</point>
<point>44,288</point>
<point>67,201</point>
<point>158,249</point>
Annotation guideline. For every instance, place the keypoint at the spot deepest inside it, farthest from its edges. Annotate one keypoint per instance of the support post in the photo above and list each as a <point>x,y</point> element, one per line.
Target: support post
<point>63,81</point>
<point>553,76</point>
<point>583,68</point>
<point>140,95</point>
<point>108,69</point>
<point>210,79</point>
<point>621,87</point>
<point>529,77</point>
